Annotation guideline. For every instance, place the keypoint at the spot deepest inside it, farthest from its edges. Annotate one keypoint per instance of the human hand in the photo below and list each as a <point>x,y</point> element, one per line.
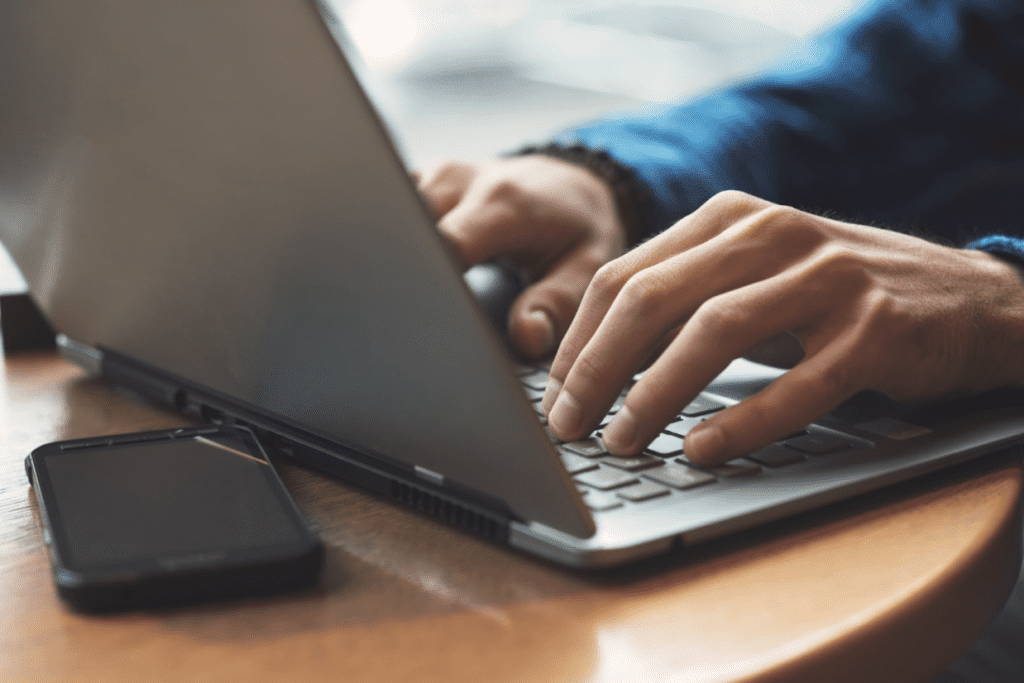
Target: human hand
<point>553,219</point>
<point>873,309</point>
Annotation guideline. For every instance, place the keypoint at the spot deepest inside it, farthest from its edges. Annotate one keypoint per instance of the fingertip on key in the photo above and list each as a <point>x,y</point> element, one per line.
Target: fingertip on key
<point>621,433</point>
<point>534,333</point>
<point>704,444</point>
<point>551,391</point>
<point>566,416</point>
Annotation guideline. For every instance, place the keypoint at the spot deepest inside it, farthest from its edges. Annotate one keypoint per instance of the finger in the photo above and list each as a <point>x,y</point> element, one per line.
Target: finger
<point>507,220</point>
<point>721,330</point>
<point>616,320</point>
<point>640,315</point>
<point>813,388</point>
<point>711,219</point>
<point>704,226</point>
<point>481,229</point>
<point>444,186</point>
<point>542,313</point>
<point>781,351</point>
<point>598,299</point>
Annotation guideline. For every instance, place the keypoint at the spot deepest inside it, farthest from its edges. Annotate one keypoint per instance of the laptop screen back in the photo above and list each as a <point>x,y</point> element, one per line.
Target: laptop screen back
<point>203,187</point>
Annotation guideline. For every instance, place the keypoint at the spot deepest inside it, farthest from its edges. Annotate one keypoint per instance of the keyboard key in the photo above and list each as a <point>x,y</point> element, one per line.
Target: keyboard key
<point>588,448</point>
<point>606,478</point>
<point>600,500</point>
<point>577,463</point>
<point>536,379</point>
<point>645,490</point>
<point>776,456</point>
<point>702,405</point>
<point>631,463</point>
<point>682,426</point>
<point>678,476</point>
<point>736,468</point>
<point>666,445</point>
<point>533,395</point>
<point>819,443</point>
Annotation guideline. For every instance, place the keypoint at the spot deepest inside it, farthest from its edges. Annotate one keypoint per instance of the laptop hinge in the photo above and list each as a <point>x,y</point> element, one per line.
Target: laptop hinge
<point>88,358</point>
<point>413,486</point>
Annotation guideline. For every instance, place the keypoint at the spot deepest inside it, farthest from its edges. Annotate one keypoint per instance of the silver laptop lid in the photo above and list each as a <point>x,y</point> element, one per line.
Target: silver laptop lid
<point>203,187</point>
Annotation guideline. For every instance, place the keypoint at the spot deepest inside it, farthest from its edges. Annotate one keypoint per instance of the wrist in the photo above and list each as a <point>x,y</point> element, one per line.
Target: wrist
<point>1003,317</point>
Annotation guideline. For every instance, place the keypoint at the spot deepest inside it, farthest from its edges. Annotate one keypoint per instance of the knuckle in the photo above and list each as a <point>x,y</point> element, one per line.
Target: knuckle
<point>730,199</point>
<point>646,290</point>
<point>719,317</point>
<point>446,173</point>
<point>731,205</point>
<point>881,313</point>
<point>506,191</point>
<point>609,280</point>
<point>778,219</point>
<point>840,271</point>
<point>784,223</point>
<point>843,261</point>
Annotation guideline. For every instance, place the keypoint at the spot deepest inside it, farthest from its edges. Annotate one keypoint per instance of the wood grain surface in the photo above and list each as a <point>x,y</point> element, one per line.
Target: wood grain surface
<point>887,587</point>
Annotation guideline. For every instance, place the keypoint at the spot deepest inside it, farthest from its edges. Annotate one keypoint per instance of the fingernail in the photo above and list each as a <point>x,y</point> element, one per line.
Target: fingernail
<point>620,434</point>
<point>550,394</point>
<point>545,331</point>
<point>566,415</point>
<point>704,443</point>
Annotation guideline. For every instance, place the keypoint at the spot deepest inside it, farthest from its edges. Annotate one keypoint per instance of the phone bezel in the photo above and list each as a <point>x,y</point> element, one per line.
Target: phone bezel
<point>160,580</point>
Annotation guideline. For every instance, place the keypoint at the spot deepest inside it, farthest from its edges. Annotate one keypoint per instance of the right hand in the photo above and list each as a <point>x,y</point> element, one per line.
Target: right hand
<point>555,220</point>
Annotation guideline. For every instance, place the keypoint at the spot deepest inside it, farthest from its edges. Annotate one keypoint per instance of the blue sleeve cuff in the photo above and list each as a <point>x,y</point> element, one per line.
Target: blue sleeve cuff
<point>1007,248</point>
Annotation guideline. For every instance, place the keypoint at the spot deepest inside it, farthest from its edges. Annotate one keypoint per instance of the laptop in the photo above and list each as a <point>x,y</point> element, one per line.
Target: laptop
<point>208,210</point>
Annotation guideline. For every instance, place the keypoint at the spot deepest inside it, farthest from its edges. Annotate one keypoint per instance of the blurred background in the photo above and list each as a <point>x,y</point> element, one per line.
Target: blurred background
<point>469,79</point>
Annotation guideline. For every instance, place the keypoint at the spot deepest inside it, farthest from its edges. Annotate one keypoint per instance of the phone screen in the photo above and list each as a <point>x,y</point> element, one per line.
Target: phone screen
<point>165,499</point>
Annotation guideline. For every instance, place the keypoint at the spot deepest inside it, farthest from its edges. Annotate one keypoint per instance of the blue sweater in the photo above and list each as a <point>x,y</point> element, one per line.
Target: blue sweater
<point>909,115</point>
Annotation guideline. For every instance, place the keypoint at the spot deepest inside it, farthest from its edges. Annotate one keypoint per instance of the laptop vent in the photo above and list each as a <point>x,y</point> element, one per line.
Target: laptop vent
<point>459,515</point>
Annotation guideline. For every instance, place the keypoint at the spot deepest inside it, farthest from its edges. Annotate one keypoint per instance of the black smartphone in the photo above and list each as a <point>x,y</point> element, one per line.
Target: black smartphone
<point>168,518</point>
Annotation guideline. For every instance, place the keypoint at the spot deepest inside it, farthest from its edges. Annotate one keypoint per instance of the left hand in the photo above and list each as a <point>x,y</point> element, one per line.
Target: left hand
<point>554,219</point>
<point>873,309</point>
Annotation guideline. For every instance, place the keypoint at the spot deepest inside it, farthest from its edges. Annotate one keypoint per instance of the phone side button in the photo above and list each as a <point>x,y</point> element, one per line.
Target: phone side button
<point>90,443</point>
<point>137,438</point>
<point>196,431</point>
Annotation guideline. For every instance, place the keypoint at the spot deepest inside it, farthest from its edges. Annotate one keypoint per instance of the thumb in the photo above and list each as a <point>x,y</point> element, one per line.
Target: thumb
<point>541,315</point>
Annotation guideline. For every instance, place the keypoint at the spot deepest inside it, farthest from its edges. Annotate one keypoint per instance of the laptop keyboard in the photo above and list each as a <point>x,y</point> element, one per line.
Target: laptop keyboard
<point>609,482</point>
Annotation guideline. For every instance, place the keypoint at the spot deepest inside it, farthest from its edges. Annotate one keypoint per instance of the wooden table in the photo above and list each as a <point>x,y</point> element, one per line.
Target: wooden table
<point>888,587</point>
